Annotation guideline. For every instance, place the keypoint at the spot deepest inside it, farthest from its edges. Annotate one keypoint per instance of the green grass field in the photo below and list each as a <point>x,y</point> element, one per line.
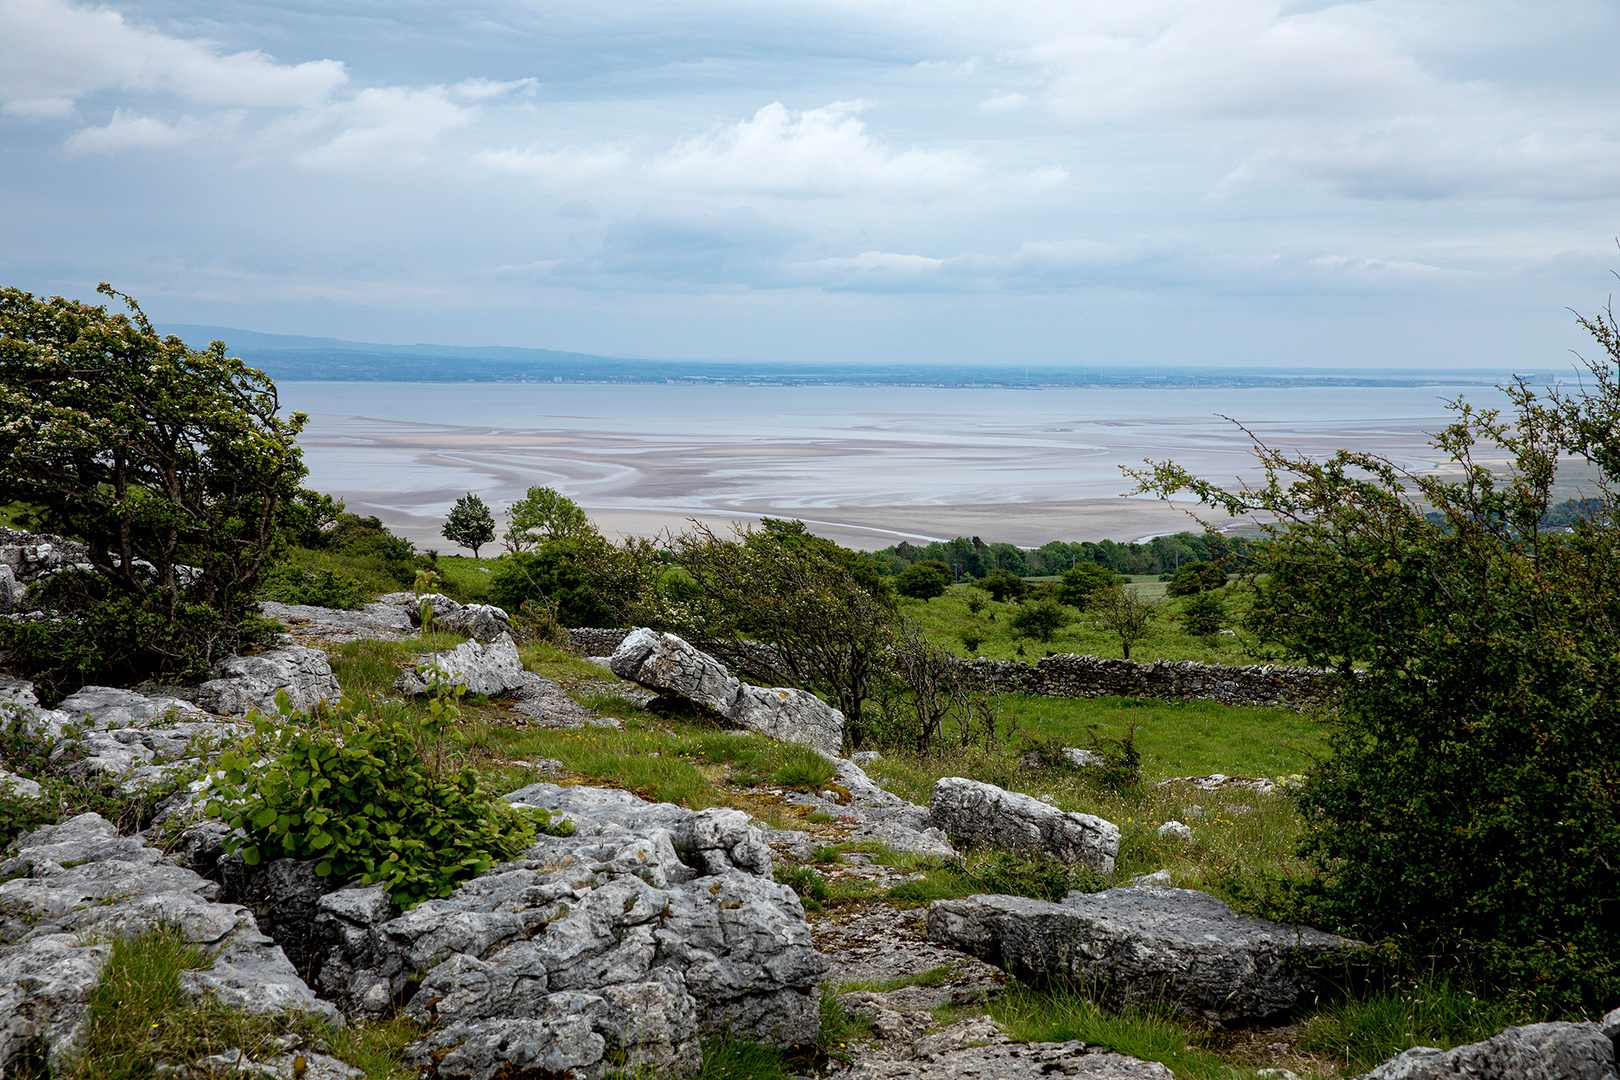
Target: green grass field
<point>946,619</point>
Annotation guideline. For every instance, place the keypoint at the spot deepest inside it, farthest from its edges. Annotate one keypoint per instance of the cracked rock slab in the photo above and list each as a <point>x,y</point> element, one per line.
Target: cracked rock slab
<point>1555,1051</point>
<point>980,813</point>
<point>1145,944</point>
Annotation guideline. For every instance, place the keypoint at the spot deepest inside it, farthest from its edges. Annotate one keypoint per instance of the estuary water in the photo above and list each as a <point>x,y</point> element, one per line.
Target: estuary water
<point>865,464</point>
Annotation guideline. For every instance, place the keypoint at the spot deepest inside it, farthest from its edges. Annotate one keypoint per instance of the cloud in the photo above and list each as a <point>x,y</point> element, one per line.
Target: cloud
<point>1341,95</point>
<point>998,103</point>
<point>53,53</point>
<point>132,131</point>
<point>693,242</point>
<point>823,152</point>
<point>396,123</point>
<point>555,168</point>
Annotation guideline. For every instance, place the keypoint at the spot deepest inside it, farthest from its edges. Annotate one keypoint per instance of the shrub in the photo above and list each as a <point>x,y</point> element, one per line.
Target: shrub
<point>1040,620</point>
<point>1126,614</point>
<point>923,581</point>
<point>1203,614</point>
<point>569,580</point>
<point>293,584</point>
<point>1083,579</point>
<point>1196,577</point>
<point>1003,586</point>
<point>353,791</point>
<point>543,514</point>
<point>1470,808</point>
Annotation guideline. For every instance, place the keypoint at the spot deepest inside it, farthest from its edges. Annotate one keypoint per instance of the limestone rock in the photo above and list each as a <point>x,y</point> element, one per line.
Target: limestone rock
<point>666,663</point>
<point>376,621</point>
<point>106,707</point>
<point>545,703</point>
<point>976,1049</point>
<point>18,785</point>
<point>12,591</point>
<point>980,813</point>
<point>493,669</point>
<point>1176,830</point>
<point>788,715</point>
<point>71,884</point>
<point>17,693</point>
<point>244,683</point>
<point>1144,944</point>
<point>1554,1051</point>
<point>482,622</point>
<point>648,926</point>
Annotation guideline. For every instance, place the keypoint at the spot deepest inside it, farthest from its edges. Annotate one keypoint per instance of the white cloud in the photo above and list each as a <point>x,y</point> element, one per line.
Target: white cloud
<point>1342,95</point>
<point>818,152</point>
<point>395,123</point>
<point>997,103</point>
<point>132,131</point>
<point>53,53</point>
<point>555,168</point>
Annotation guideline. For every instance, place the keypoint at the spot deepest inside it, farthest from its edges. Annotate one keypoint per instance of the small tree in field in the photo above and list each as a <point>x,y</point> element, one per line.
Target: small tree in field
<point>1126,614</point>
<point>1040,620</point>
<point>543,514</point>
<point>470,524</point>
<point>924,580</point>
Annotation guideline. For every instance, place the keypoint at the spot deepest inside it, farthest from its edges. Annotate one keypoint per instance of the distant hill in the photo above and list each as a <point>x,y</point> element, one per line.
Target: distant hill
<point>290,357</point>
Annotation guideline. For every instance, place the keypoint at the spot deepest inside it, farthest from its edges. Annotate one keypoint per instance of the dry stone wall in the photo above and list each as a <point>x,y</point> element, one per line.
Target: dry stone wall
<point>1093,676</point>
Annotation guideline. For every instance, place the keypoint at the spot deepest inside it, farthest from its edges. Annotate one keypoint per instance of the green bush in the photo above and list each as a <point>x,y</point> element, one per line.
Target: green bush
<point>1202,614</point>
<point>1003,586</point>
<point>353,791</point>
<point>291,583</point>
<point>1083,579</point>
<point>1195,578</point>
<point>1040,620</point>
<point>108,637</point>
<point>572,573</point>
<point>1469,811</point>
<point>923,581</point>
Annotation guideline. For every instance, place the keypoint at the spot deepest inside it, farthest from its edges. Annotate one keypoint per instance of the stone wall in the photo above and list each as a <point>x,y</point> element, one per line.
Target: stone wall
<point>1093,676</point>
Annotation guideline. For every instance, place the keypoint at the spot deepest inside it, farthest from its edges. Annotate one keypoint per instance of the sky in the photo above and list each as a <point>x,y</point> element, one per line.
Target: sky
<point>1189,182</point>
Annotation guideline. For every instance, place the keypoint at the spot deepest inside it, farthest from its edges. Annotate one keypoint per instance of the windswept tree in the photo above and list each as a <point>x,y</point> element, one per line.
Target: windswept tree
<point>173,465</point>
<point>469,523</point>
<point>1126,614</point>
<point>824,610</point>
<point>1470,808</point>
<point>543,514</point>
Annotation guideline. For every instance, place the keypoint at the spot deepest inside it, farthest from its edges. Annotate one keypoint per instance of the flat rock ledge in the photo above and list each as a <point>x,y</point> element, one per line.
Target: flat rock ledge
<point>648,927</point>
<point>69,889</point>
<point>1144,945</point>
<point>667,663</point>
<point>979,813</point>
<point>1553,1051</point>
<point>494,669</point>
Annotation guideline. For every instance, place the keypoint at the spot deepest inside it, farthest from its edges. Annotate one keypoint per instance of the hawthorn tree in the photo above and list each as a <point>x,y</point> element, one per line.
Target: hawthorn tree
<point>1470,807</point>
<point>1120,610</point>
<point>543,514</point>
<point>469,523</point>
<point>172,465</point>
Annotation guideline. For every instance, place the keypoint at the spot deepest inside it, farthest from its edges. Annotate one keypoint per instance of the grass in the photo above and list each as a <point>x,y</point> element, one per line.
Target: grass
<point>946,618</point>
<point>992,871</point>
<point>1177,738</point>
<point>137,1019</point>
<point>1059,1014</point>
<point>464,578</point>
<point>1362,1032</point>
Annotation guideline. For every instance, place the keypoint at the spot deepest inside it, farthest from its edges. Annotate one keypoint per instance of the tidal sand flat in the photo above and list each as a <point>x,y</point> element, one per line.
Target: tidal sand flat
<point>866,466</point>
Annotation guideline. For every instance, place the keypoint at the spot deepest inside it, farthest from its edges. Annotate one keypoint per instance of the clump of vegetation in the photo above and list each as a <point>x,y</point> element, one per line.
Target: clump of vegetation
<point>370,796</point>
<point>291,583</point>
<point>1469,808</point>
<point>924,580</point>
<point>996,871</point>
<point>1041,619</point>
<point>173,465</point>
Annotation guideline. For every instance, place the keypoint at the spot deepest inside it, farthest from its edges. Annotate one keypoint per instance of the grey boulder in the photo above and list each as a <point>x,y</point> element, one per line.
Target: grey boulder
<point>980,813</point>
<point>493,669</point>
<point>1554,1051</point>
<point>650,925</point>
<point>667,663</point>
<point>18,785</point>
<point>245,683</point>
<point>482,622</point>
<point>69,887</point>
<point>1146,944</point>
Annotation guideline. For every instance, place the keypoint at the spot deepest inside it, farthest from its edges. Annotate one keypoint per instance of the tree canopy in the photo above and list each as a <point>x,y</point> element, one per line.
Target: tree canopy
<point>1471,805</point>
<point>469,523</point>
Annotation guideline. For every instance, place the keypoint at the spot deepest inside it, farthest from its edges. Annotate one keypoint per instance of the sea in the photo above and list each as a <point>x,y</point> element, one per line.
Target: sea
<point>407,450</point>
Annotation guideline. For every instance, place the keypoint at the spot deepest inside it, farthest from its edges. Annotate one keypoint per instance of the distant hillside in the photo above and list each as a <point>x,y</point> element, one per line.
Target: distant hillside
<point>290,357</point>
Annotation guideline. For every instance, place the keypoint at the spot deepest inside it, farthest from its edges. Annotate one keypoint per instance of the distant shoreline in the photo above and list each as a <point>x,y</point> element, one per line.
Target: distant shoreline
<point>302,359</point>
